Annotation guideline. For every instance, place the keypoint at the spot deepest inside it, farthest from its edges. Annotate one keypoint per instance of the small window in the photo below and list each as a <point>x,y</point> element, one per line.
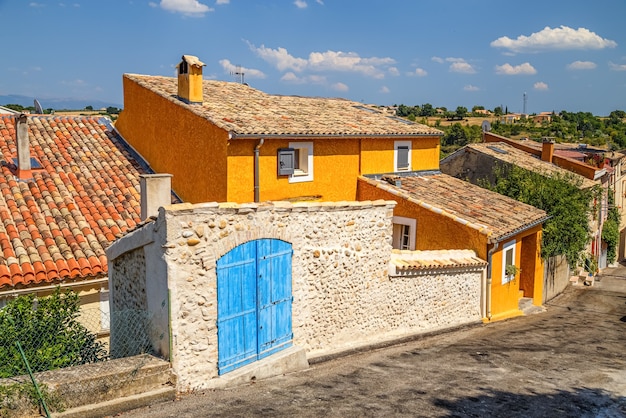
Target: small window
<point>286,161</point>
<point>404,230</point>
<point>183,68</point>
<point>402,156</point>
<point>508,259</point>
<point>302,161</point>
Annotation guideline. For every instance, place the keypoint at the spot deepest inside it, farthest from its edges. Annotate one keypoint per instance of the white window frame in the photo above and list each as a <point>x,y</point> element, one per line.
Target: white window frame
<point>412,224</point>
<point>396,145</point>
<point>508,247</point>
<point>105,311</point>
<point>305,162</point>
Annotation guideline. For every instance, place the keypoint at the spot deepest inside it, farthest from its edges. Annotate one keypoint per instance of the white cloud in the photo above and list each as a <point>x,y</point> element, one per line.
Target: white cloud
<point>548,39</point>
<point>325,61</point>
<point>339,87</point>
<point>540,85</point>
<point>300,4</point>
<point>393,71</point>
<point>419,72</point>
<point>34,4</point>
<point>522,69</point>
<point>617,67</point>
<point>247,72</point>
<point>462,67</point>
<point>219,2</point>
<point>384,90</point>
<point>438,60</point>
<point>581,65</point>
<point>191,8</point>
<point>292,78</point>
<point>469,87</point>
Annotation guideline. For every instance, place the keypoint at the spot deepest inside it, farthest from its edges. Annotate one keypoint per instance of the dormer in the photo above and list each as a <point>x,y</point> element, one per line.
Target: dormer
<point>190,79</point>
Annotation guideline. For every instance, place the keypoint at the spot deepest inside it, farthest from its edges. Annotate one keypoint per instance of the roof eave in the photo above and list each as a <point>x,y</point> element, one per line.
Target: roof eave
<point>235,135</point>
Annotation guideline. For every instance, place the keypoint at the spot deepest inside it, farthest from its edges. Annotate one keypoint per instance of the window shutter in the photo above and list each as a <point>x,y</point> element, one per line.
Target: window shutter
<point>403,158</point>
<point>286,161</point>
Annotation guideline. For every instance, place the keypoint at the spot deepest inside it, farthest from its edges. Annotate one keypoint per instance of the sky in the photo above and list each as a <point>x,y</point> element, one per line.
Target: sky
<point>531,55</point>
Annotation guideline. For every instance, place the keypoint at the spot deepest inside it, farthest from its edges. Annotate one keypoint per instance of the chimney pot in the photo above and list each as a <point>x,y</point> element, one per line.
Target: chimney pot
<point>23,147</point>
<point>547,149</point>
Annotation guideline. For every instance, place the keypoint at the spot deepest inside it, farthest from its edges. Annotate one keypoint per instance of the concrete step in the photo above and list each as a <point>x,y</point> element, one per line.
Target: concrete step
<point>99,383</point>
<point>526,306</point>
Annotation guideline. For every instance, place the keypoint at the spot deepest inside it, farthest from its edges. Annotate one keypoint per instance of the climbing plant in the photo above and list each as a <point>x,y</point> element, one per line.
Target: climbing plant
<point>566,232</point>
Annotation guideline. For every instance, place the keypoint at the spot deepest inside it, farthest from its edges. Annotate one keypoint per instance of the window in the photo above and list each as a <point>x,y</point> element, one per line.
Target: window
<point>402,156</point>
<point>303,162</point>
<point>286,161</point>
<point>508,259</point>
<point>404,233</point>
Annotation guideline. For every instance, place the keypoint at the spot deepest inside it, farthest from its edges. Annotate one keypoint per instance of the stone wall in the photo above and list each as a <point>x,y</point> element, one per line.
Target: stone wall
<point>343,296</point>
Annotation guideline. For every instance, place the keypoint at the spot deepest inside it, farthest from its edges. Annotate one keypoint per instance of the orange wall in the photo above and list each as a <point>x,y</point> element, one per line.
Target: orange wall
<point>377,154</point>
<point>175,141</point>
<point>335,169</point>
<point>434,231</point>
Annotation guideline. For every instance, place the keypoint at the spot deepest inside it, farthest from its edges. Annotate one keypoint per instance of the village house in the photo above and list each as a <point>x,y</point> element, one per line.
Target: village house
<point>601,166</point>
<point>311,183</point>
<point>69,188</point>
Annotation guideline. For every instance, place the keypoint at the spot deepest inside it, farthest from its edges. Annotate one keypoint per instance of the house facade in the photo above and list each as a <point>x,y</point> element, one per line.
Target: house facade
<point>437,211</point>
<point>69,188</point>
<point>239,144</point>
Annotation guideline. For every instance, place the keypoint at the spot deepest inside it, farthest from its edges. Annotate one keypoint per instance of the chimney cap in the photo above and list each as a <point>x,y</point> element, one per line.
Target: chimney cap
<point>193,61</point>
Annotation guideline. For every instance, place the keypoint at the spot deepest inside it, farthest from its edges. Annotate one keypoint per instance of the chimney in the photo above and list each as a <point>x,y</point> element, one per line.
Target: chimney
<point>23,147</point>
<point>156,191</point>
<point>190,79</point>
<point>547,150</point>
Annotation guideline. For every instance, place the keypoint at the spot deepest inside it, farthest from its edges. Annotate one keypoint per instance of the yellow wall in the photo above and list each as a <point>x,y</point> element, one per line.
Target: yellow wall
<point>505,297</point>
<point>176,141</point>
<point>377,154</point>
<point>335,169</point>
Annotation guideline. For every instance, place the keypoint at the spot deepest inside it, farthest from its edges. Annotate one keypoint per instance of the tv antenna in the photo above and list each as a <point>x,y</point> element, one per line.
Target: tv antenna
<point>239,74</point>
<point>525,98</point>
<point>38,108</point>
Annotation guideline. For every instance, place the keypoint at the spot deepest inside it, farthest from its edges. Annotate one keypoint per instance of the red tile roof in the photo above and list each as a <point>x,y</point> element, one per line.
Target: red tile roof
<point>244,111</point>
<point>493,214</point>
<point>56,225</point>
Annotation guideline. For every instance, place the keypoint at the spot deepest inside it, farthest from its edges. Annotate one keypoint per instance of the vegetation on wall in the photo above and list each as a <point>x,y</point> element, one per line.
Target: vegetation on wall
<point>566,232</point>
<point>610,229</point>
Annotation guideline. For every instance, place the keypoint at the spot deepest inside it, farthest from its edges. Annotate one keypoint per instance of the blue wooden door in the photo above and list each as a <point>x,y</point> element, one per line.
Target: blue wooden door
<point>253,302</point>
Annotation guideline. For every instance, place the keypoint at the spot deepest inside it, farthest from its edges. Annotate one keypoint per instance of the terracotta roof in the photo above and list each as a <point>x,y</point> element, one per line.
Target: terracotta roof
<point>506,153</point>
<point>406,262</point>
<point>244,111</point>
<point>493,214</point>
<point>55,226</point>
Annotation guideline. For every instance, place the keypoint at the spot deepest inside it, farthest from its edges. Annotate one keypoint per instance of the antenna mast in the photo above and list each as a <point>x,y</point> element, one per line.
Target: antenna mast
<point>239,73</point>
<point>525,97</point>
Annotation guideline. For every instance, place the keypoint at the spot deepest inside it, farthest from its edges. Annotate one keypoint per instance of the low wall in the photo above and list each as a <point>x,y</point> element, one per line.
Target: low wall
<point>343,296</point>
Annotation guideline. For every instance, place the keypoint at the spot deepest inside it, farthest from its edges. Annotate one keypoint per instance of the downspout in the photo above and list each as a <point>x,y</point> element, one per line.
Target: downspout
<point>489,278</point>
<point>256,169</point>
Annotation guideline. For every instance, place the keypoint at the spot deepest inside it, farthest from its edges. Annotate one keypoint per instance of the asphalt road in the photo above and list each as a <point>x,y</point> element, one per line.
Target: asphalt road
<point>569,361</point>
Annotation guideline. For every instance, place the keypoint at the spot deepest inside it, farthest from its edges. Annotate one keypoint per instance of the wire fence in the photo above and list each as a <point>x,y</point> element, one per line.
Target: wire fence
<point>55,332</point>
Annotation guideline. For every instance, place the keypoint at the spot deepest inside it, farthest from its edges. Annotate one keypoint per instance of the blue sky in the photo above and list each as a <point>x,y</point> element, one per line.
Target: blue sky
<point>565,55</point>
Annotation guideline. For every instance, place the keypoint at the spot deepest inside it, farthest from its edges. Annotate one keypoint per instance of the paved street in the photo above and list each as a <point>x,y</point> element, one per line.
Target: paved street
<point>569,361</point>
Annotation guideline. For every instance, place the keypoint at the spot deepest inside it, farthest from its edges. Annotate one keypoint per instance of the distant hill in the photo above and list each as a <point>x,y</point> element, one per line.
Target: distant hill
<point>56,104</point>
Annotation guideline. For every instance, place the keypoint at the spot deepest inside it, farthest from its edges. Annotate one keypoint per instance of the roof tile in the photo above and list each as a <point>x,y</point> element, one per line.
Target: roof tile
<point>56,225</point>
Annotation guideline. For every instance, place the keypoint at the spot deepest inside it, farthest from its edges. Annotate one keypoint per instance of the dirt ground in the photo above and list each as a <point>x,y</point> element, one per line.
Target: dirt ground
<point>568,361</point>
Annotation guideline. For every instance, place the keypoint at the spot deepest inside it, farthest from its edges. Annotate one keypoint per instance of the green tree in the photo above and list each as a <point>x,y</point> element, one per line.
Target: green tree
<point>90,108</point>
<point>610,229</point>
<point>49,333</point>
<point>461,112</point>
<point>566,232</point>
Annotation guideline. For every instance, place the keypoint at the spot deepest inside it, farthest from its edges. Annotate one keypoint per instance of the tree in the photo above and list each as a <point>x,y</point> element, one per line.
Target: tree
<point>610,229</point>
<point>49,333</point>
<point>566,232</point>
<point>90,108</point>
<point>461,112</point>
<point>497,111</point>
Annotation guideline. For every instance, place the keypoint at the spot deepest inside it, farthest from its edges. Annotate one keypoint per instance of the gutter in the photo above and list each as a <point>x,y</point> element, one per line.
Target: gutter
<point>29,290</point>
<point>256,170</point>
<point>234,135</point>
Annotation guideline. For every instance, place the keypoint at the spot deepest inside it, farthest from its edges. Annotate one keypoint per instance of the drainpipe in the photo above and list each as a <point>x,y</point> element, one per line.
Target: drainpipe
<point>489,278</point>
<point>256,169</point>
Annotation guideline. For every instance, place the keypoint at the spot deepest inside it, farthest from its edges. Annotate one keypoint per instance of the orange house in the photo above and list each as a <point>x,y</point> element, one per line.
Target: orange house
<point>225,141</point>
<point>437,211</point>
